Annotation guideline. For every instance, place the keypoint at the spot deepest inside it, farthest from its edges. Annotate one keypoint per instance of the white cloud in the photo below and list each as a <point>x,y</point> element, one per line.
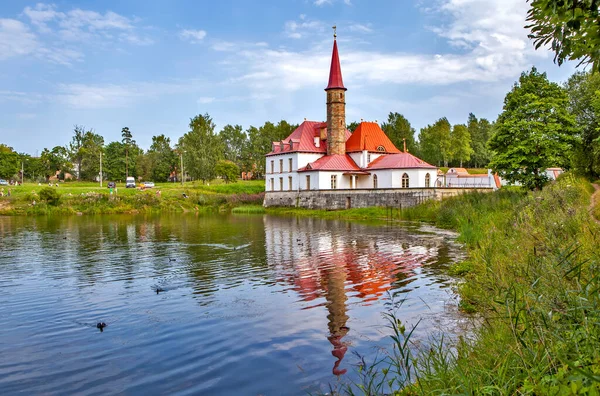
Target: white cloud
<point>360,28</point>
<point>205,100</point>
<point>96,96</point>
<point>303,28</point>
<point>16,39</point>
<point>193,36</point>
<point>41,14</point>
<point>320,3</point>
<point>493,47</point>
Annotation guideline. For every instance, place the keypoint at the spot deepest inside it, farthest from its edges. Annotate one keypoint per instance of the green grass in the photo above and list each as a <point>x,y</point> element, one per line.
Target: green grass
<point>249,209</point>
<point>533,277</point>
<point>90,198</point>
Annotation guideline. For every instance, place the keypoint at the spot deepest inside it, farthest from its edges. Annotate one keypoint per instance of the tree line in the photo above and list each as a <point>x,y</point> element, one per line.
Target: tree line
<point>543,124</point>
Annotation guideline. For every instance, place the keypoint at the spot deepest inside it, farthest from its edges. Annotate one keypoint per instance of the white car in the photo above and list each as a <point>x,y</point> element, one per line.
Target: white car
<point>3,182</point>
<point>148,184</point>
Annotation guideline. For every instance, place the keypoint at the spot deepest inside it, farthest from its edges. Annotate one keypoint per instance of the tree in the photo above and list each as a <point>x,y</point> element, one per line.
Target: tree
<point>352,126</point>
<point>397,128</point>
<point>9,162</point>
<point>128,142</point>
<point>55,160</point>
<point>233,140</point>
<point>534,131</point>
<point>201,148</point>
<point>93,145</point>
<point>260,141</point>
<point>583,90</point>
<point>114,161</point>
<point>434,142</point>
<point>76,149</point>
<point>570,26</point>
<point>161,157</point>
<point>228,170</point>
<point>480,132</point>
<point>460,143</point>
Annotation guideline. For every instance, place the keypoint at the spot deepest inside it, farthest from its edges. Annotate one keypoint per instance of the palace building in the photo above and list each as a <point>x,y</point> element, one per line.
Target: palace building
<point>326,156</point>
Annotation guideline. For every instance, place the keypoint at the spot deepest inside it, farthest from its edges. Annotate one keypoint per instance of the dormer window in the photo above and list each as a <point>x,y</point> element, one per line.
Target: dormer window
<point>380,148</point>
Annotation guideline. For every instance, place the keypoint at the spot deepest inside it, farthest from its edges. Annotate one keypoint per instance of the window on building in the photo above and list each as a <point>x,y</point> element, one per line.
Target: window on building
<point>281,184</point>
<point>290,164</point>
<point>341,95</point>
<point>427,180</point>
<point>333,182</point>
<point>290,183</point>
<point>405,181</point>
<point>380,148</point>
<point>368,158</point>
<point>280,166</point>
<point>307,182</point>
<point>374,181</point>
<point>272,184</point>
<point>272,166</point>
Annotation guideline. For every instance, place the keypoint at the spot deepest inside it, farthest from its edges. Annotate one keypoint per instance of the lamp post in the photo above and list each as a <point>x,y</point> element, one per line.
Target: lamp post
<point>100,168</point>
<point>182,173</point>
<point>22,171</point>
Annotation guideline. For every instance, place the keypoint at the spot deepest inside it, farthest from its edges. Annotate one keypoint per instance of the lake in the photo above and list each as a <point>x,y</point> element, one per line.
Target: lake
<point>211,305</point>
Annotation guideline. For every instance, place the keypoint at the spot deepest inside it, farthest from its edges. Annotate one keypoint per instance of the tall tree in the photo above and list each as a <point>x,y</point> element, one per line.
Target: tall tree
<point>480,132</point>
<point>569,26</point>
<point>534,131</point>
<point>397,128</point>
<point>434,142</point>
<point>127,140</point>
<point>76,149</point>
<point>460,143</point>
<point>233,140</point>
<point>55,160</point>
<point>583,90</point>
<point>114,161</point>
<point>9,162</point>
<point>201,148</point>
<point>93,145</point>
<point>162,158</point>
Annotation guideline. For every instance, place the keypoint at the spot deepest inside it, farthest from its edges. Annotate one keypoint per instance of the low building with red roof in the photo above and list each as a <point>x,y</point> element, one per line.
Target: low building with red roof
<point>325,155</point>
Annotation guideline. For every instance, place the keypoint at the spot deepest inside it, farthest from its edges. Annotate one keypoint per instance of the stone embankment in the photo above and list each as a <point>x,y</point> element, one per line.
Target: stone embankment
<point>357,198</point>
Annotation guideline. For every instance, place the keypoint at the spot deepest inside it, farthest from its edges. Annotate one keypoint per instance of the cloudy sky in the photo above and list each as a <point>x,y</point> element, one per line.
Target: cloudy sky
<point>152,65</point>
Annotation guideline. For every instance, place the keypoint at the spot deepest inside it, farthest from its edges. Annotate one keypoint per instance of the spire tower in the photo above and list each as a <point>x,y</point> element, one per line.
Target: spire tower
<point>336,104</point>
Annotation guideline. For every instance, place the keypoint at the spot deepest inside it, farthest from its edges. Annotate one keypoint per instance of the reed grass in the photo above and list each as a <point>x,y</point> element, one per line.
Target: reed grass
<point>533,277</point>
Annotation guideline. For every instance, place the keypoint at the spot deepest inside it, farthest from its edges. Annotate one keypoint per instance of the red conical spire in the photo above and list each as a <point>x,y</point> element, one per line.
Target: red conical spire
<point>335,73</point>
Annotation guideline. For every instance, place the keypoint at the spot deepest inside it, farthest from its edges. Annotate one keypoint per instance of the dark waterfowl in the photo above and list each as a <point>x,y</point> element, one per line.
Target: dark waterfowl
<point>172,259</point>
<point>159,289</point>
<point>101,326</point>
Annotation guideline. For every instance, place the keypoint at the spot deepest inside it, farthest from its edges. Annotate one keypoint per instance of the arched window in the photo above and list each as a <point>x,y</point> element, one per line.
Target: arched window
<point>405,182</point>
<point>427,180</point>
<point>341,95</point>
<point>380,148</point>
<point>374,181</point>
<point>341,122</point>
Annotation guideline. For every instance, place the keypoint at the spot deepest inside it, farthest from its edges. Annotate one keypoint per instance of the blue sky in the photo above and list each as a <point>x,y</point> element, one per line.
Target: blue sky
<point>152,65</point>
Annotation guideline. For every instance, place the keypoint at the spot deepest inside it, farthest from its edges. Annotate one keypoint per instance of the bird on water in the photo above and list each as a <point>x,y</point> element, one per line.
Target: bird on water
<point>101,326</point>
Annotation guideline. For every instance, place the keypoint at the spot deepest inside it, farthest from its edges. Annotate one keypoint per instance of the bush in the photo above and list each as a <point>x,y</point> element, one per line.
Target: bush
<point>50,196</point>
<point>227,170</point>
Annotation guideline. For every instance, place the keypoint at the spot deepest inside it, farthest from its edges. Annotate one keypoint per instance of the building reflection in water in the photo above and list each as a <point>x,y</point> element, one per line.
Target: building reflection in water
<point>332,261</point>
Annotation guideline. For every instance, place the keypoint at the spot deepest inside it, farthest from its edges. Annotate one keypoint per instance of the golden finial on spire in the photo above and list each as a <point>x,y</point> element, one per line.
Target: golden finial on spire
<point>334,31</point>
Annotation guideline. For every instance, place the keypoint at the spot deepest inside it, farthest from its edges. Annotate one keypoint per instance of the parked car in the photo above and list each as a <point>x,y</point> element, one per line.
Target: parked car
<point>148,184</point>
<point>112,184</point>
<point>130,182</point>
<point>3,182</point>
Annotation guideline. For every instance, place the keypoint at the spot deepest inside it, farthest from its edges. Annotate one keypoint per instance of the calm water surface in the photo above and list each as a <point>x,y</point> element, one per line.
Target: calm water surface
<point>246,305</point>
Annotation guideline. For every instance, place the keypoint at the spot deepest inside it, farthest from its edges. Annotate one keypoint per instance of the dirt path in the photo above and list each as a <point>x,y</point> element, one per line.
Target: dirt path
<point>595,198</point>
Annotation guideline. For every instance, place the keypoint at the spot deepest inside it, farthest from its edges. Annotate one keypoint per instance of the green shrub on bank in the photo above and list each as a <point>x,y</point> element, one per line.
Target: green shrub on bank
<point>50,196</point>
<point>533,275</point>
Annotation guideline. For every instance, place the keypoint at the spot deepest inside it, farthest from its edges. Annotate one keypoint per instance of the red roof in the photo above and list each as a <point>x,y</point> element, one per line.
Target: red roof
<point>400,160</point>
<point>335,72</point>
<point>303,139</point>
<point>334,162</point>
<point>369,136</point>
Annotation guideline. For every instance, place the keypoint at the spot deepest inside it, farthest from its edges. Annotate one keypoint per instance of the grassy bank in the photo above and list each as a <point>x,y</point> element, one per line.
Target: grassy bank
<point>89,198</point>
<point>533,276</point>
